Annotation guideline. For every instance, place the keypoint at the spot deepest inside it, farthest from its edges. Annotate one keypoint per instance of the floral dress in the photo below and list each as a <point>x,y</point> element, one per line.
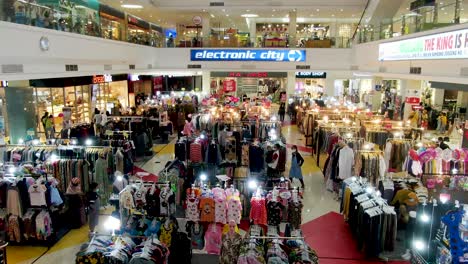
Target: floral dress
<point>230,248</point>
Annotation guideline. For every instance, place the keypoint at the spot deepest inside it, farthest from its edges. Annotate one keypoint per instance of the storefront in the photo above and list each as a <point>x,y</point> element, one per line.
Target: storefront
<point>248,83</point>
<point>157,36</point>
<point>310,83</point>
<point>138,30</point>
<point>112,22</point>
<point>79,96</point>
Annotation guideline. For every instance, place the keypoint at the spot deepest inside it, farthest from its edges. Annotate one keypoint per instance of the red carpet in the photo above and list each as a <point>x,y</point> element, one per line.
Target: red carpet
<point>330,236</point>
<point>150,178</point>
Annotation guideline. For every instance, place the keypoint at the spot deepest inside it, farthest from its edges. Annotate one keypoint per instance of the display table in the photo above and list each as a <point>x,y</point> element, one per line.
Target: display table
<point>275,43</point>
<point>325,43</point>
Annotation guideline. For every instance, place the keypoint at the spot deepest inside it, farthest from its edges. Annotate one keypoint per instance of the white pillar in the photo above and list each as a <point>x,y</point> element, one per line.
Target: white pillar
<point>206,81</point>
<point>377,96</point>
<point>292,28</point>
<point>253,32</point>
<point>291,85</point>
<point>329,89</point>
<point>206,29</point>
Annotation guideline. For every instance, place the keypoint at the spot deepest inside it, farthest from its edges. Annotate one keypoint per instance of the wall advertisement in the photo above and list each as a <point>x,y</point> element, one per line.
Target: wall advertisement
<point>449,45</point>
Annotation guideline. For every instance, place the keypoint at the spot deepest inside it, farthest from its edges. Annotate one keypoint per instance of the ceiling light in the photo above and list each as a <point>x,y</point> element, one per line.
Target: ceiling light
<point>224,10</point>
<point>249,15</point>
<point>213,16</point>
<point>272,15</point>
<point>130,6</point>
<point>227,15</point>
<point>317,10</point>
<point>341,10</point>
<point>274,10</point>
<point>248,10</point>
<point>333,15</point>
<point>204,10</point>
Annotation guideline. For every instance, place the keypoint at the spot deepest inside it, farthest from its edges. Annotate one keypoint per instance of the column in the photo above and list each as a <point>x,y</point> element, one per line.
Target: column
<point>329,89</point>
<point>253,32</point>
<point>291,85</point>
<point>409,88</point>
<point>206,29</point>
<point>377,96</point>
<point>206,81</point>
<point>292,29</point>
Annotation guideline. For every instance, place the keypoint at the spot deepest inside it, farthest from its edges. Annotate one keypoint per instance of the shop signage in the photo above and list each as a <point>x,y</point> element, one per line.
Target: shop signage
<point>449,45</point>
<point>311,75</point>
<point>249,74</point>
<point>229,86</point>
<point>421,3</point>
<point>102,78</point>
<point>279,55</point>
<point>413,100</point>
<point>134,77</point>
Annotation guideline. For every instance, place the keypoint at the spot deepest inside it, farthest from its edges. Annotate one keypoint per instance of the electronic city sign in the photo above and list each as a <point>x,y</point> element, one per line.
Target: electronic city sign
<point>272,55</point>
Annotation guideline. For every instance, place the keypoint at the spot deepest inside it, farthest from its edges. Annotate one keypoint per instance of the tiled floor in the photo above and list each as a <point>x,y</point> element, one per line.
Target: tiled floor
<point>317,202</point>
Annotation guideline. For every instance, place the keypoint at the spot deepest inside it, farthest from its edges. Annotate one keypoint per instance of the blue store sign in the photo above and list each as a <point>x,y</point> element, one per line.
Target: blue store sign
<point>247,55</point>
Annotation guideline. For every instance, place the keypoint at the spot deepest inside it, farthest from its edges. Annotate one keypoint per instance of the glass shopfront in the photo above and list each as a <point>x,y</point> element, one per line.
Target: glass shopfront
<point>79,96</point>
<point>248,83</point>
<point>112,22</point>
<point>310,83</point>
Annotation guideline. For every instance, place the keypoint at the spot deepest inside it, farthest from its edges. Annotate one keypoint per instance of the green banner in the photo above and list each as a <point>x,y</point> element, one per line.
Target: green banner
<point>71,4</point>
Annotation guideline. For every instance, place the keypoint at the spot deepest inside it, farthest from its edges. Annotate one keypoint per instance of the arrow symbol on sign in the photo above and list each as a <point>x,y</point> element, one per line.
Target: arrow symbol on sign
<point>295,55</point>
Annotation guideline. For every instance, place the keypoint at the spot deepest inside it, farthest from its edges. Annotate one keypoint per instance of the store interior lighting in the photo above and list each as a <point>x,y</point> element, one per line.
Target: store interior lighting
<point>252,184</point>
<point>132,6</point>
<point>88,142</point>
<point>425,218</point>
<point>11,170</point>
<point>419,245</point>
<point>112,223</point>
<point>203,177</point>
<point>35,142</point>
<point>20,141</point>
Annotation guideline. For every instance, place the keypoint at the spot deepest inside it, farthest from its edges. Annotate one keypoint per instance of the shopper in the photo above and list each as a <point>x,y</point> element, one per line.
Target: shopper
<point>44,119</point>
<point>441,123</point>
<point>97,119</point>
<point>295,172</point>
<point>425,120</point>
<point>282,111</point>
<point>49,127</point>
<point>94,203</point>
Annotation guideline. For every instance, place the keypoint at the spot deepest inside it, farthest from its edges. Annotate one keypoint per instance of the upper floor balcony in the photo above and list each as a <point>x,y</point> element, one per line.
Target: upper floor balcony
<point>413,19</point>
<point>111,23</point>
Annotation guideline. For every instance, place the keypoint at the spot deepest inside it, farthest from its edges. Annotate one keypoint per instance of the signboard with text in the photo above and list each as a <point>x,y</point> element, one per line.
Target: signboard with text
<point>276,55</point>
<point>311,75</point>
<point>449,45</point>
<point>413,100</point>
<point>229,86</point>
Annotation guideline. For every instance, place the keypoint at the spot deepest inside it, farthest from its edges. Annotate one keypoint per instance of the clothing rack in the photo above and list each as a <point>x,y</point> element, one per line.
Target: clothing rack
<point>272,237</point>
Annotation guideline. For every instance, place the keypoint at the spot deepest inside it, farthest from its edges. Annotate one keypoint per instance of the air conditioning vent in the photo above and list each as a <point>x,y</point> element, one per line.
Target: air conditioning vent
<point>464,71</point>
<point>71,67</point>
<point>302,67</point>
<point>150,66</point>
<point>248,66</point>
<point>216,3</point>
<point>194,66</point>
<point>415,70</point>
<point>131,66</point>
<point>382,69</point>
<point>12,68</point>
<point>107,67</point>
<point>354,68</point>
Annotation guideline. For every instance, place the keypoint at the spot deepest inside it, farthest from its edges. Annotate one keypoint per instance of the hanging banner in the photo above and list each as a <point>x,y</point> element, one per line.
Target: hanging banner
<point>449,45</point>
<point>229,86</point>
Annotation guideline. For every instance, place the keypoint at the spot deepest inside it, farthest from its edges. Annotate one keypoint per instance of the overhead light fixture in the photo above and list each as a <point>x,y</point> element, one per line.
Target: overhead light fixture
<point>131,6</point>
<point>341,10</point>
<point>213,16</point>
<point>249,15</point>
<point>317,10</point>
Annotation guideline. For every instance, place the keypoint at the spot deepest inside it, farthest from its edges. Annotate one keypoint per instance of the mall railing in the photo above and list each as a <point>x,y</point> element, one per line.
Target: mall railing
<point>89,22</point>
<point>423,19</point>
